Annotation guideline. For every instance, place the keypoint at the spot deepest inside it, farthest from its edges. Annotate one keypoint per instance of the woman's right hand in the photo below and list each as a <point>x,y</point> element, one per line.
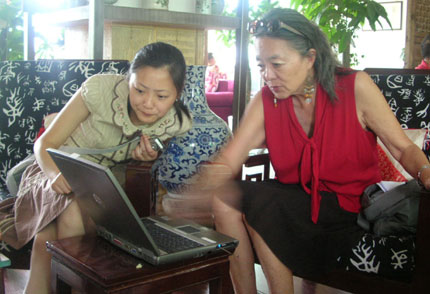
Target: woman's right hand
<point>60,185</point>
<point>64,124</point>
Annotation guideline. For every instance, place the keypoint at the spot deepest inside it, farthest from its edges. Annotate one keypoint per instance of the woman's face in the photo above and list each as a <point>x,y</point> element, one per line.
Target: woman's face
<point>152,94</point>
<point>282,67</point>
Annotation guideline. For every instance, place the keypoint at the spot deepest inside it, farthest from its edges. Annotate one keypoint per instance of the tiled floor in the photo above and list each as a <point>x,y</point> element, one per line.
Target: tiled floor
<point>15,282</point>
<point>300,286</point>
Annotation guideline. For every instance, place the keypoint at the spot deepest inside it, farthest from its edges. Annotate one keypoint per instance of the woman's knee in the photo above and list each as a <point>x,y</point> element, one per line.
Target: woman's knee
<point>225,213</point>
<point>70,222</point>
<point>49,233</point>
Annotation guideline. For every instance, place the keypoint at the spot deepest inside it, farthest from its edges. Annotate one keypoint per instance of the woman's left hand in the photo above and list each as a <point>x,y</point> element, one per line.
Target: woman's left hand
<point>424,176</point>
<point>144,151</point>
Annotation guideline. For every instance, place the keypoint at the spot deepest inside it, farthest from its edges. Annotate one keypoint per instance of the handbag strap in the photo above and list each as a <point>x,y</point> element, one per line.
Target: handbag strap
<point>85,151</point>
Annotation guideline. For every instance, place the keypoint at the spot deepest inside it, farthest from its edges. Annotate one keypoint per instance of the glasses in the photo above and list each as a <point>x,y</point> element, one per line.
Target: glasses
<point>262,26</point>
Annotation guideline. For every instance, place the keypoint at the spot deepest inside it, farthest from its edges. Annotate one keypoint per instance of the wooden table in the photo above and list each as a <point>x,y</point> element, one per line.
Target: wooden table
<point>92,265</point>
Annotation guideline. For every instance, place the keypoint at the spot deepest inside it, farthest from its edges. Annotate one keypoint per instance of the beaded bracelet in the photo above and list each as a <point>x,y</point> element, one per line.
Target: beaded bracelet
<point>421,170</point>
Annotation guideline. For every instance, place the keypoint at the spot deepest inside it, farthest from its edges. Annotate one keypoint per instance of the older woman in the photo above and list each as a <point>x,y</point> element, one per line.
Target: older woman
<point>319,122</point>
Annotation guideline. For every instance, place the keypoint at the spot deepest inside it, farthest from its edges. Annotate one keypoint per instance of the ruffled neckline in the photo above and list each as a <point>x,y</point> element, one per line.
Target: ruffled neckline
<point>164,128</point>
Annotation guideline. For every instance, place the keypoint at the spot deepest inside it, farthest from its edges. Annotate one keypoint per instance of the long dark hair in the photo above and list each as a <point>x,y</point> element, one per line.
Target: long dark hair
<point>308,35</point>
<point>425,47</point>
<point>159,55</point>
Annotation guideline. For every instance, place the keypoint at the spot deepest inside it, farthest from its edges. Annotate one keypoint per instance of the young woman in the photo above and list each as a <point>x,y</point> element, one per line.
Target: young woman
<point>107,111</point>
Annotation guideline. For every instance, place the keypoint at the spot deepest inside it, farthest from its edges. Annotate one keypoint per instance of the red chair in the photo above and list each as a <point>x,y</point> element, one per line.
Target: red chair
<point>221,101</point>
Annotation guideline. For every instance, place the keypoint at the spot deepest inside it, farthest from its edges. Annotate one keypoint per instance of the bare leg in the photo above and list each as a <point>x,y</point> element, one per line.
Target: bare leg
<point>40,264</point>
<point>69,223</point>
<point>279,277</point>
<point>229,221</point>
<point>308,287</point>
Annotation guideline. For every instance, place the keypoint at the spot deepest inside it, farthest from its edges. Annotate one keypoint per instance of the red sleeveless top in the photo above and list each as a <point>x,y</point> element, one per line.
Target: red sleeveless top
<point>340,157</point>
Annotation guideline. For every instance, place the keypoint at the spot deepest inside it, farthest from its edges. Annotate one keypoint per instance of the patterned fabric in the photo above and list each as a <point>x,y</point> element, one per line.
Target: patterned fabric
<point>386,256</point>
<point>388,171</point>
<point>407,95</point>
<point>213,75</point>
<point>391,169</point>
<point>29,90</point>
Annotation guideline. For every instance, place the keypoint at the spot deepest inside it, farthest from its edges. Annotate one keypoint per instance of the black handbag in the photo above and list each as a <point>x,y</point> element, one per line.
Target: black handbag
<point>394,212</point>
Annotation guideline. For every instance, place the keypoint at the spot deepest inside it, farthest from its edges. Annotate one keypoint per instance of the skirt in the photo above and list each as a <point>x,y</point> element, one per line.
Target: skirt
<point>35,206</point>
<point>281,214</point>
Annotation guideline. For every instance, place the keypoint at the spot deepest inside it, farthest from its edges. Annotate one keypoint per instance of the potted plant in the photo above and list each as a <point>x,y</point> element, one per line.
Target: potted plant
<point>341,19</point>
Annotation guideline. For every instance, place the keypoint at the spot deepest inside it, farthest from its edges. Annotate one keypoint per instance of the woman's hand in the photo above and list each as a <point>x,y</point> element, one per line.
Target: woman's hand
<point>60,185</point>
<point>211,180</point>
<point>212,176</point>
<point>144,151</point>
<point>424,176</point>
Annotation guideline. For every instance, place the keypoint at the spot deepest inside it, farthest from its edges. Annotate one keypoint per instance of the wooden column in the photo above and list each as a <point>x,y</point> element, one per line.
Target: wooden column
<point>28,8</point>
<point>417,27</point>
<point>242,65</point>
<point>95,29</point>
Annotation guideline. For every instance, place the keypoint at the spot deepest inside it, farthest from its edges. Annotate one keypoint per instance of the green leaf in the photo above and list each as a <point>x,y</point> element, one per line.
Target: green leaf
<point>382,13</point>
<point>371,12</point>
<point>344,42</point>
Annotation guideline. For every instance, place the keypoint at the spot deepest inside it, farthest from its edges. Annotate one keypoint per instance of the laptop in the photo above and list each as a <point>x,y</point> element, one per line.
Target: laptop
<point>153,239</point>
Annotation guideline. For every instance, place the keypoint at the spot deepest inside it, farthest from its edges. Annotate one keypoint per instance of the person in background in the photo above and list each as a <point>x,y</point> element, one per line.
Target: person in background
<point>425,53</point>
<point>213,74</point>
<point>108,110</point>
<point>319,122</point>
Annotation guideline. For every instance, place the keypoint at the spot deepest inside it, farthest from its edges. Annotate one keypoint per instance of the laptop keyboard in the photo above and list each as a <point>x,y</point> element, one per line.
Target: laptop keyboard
<point>167,240</point>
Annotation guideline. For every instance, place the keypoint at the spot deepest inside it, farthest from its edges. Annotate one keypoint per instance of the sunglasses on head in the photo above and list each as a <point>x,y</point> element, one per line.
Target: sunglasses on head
<point>262,26</point>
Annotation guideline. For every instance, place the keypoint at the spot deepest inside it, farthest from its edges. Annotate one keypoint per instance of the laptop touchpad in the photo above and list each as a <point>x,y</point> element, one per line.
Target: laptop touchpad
<point>188,229</point>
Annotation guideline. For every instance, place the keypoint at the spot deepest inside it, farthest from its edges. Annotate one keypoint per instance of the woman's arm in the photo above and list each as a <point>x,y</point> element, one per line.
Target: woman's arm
<point>69,118</point>
<point>249,135</point>
<point>375,114</point>
<point>218,175</point>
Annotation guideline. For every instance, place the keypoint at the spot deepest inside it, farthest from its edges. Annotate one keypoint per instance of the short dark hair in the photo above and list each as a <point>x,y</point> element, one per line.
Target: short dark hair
<point>210,56</point>
<point>159,55</point>
<point>425,47</point>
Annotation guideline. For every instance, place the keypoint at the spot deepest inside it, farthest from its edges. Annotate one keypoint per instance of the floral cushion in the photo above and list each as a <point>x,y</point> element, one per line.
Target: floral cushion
<point>391,170</point>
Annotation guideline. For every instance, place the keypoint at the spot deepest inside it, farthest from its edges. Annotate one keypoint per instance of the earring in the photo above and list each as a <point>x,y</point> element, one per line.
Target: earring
<point>275,102</point>
<point>309,89</point>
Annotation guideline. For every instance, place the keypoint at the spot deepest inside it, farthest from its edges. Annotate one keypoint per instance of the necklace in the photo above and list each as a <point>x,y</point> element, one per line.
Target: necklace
<point>309,91</point>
